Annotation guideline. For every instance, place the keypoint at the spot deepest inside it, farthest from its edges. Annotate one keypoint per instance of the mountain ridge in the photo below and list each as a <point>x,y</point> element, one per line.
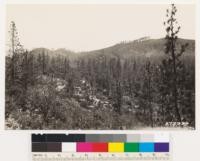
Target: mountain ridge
<point>135,48</point>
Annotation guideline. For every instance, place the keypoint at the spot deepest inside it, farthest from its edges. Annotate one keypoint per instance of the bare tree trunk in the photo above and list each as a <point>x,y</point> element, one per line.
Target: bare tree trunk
<point>149,92</point>
<point>175,84</point>
<point>13,56</point>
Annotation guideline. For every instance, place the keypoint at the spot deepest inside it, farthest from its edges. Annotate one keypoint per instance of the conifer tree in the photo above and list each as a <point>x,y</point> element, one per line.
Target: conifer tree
<point>14,51</point>
<point>173,55</point>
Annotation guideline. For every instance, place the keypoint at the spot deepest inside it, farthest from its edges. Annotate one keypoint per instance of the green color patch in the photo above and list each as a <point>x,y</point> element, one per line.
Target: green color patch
<point>131,147</point>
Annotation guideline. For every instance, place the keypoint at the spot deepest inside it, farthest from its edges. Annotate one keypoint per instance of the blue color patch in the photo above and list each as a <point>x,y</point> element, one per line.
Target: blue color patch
<point>146,147</point>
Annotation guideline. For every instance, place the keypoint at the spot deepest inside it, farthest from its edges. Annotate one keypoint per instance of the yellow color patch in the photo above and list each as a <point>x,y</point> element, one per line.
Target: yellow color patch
<point>116,147</point>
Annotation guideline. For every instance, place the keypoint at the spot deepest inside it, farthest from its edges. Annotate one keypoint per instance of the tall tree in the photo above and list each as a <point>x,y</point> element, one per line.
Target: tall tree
<point>173,54</point>
<point>149,89</point>
<point>118,86</point>
<point>14,50</point>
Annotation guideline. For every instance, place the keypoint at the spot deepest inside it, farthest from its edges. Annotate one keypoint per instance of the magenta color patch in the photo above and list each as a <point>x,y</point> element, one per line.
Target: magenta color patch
<point>83,147</point>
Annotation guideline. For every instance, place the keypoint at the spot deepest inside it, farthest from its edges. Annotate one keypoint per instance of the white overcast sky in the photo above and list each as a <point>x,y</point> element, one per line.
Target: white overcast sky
<point>89,27</point>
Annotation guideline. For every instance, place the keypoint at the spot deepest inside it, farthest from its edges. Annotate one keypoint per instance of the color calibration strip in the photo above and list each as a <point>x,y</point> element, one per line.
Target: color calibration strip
<point>90,143</point>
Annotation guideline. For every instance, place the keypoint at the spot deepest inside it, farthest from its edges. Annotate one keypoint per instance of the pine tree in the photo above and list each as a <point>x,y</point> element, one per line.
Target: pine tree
<point>149,89</point>
<point>173,54</point>
<point>14,52</point>
<point>118,86</point>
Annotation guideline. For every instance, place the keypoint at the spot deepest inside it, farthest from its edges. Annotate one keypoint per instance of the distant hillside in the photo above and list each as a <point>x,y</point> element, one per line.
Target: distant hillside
<point>146,48</point>
<point>58,52</point>
<point>153,48</point>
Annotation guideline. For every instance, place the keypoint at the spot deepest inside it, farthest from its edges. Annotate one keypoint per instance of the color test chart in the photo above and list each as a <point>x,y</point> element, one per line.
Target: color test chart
<point>62,147</point>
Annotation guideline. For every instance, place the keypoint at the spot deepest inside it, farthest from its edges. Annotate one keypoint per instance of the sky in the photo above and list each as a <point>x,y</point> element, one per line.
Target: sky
<point>90,27</point>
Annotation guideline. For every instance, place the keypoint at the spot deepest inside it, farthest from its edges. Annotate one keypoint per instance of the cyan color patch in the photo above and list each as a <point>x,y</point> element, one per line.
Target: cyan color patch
<point>146,147</point>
